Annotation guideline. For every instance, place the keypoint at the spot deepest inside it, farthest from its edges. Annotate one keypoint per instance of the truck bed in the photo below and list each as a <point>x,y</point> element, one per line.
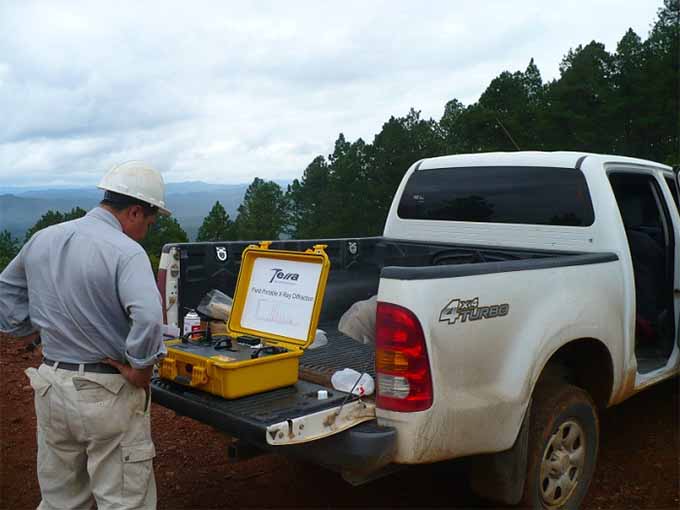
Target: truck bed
<point>318,365</point>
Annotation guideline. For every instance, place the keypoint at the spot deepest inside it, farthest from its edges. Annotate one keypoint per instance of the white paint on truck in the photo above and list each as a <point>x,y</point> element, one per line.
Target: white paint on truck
<point>484,372</point>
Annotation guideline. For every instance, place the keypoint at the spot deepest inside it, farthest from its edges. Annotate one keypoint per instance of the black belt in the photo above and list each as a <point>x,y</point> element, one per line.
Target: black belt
<point>100,368</point>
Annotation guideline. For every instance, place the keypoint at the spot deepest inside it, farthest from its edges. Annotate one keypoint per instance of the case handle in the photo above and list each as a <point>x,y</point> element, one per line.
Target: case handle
<point>199,376</point>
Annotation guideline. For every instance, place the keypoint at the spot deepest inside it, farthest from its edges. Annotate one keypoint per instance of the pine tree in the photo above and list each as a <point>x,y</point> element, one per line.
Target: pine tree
<point>308,200</point>
<point>580,116</point>
<point>401,142</point>
<point>9,247</point>
<point>630,101</point>
<point>662,70</point>
<point>451,126</point>
<point>217,226</point>
<point>263,215</point>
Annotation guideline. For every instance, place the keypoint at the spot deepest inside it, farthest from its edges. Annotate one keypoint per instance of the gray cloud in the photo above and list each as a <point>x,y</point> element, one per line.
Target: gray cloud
<point>225,91</point>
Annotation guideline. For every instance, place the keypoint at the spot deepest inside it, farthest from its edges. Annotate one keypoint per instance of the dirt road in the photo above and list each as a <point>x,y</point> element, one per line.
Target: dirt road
<point>639,465</point>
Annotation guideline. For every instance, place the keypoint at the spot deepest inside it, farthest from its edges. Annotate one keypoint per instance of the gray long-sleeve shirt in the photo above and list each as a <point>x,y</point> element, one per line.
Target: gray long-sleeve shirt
<point>89,289</point>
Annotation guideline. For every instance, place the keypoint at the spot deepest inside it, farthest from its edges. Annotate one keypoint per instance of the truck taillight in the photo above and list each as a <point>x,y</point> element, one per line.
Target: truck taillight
<point>402,366</point>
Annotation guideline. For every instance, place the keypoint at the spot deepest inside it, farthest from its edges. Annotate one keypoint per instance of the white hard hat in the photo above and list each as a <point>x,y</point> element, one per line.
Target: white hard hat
<point>137,180</point>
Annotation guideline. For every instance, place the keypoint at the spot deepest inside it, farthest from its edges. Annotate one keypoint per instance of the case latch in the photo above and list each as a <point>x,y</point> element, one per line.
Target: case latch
<point>318,249</point>
<point>199,376</point>
<point>169,368</point>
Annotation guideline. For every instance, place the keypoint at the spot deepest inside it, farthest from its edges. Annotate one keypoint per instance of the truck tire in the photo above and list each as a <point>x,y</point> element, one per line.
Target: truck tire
<point>563,445</point>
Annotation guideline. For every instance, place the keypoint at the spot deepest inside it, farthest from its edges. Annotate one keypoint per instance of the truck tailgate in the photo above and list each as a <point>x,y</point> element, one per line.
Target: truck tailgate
<point>294,416</point>
<point>247,418</point>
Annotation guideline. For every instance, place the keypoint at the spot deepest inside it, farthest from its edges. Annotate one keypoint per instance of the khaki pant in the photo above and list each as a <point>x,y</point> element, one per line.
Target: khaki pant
<point>94,441</point>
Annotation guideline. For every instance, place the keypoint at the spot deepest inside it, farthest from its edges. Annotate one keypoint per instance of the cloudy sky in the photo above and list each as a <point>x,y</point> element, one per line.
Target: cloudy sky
<point>226,91</point>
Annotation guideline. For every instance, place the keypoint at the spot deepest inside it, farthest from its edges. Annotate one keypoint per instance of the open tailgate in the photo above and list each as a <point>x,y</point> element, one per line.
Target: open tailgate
<point>339,432</point>
<point>285,416</point>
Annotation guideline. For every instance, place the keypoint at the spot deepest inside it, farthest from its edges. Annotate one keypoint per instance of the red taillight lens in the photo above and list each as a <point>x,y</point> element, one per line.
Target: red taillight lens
<point>402,366</point>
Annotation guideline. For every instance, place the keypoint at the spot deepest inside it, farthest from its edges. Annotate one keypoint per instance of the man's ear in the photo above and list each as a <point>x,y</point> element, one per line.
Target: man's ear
<point>135,211</point>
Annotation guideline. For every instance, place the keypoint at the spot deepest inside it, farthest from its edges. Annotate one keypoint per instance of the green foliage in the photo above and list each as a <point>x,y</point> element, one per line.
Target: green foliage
<point>348,199</point>
<point>661,68</point>
<point>581,101</point>
<point>54,217</point>
<point>165,230</point>
<point>217,226</point>
<point>401,142</point>
<point>9,247</point>
<point>263,215</point>
<point>308,198</point>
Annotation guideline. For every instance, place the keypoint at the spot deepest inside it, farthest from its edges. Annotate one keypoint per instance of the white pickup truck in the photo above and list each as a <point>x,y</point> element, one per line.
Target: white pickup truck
<point>519,294</point>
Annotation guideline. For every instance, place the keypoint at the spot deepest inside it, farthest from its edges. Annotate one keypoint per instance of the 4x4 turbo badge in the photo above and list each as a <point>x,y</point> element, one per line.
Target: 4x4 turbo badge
<point>469,309</point>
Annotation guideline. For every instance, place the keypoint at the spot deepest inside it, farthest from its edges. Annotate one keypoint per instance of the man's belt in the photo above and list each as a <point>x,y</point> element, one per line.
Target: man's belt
<point>99,368</point>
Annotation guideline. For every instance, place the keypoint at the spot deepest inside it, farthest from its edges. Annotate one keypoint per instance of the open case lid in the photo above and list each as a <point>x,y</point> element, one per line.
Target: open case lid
<point>279,294</point>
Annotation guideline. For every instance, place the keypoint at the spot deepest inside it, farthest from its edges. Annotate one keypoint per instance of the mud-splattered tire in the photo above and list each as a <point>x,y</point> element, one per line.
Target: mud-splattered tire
<point>563,445</point>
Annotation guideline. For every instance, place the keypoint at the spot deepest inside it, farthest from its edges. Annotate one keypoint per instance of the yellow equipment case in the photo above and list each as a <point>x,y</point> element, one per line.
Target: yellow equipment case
<point>274,316</point>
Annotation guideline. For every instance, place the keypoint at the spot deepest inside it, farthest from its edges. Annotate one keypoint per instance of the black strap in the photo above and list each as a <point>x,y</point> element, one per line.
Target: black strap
<point>99,368</point>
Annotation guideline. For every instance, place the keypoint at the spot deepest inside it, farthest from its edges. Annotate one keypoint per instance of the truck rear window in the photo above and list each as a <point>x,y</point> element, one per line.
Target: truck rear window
<point>499,194</point>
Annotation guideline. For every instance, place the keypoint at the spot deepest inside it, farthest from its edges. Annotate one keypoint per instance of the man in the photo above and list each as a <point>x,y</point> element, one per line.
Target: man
<point>88,288</point>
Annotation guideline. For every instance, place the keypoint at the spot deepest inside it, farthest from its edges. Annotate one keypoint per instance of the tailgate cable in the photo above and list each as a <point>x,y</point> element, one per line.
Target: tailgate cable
<point>352,390</point>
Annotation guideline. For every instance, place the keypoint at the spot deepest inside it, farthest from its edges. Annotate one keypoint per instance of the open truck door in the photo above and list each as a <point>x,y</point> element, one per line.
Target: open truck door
<point>676,171</point>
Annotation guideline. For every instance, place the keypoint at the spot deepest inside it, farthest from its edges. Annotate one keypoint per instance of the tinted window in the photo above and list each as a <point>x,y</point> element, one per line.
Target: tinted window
<point>499,194</point>
<point>674,190</point>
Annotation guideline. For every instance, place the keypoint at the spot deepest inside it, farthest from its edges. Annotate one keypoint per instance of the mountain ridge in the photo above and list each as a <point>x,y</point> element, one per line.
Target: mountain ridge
<point>189,201</point>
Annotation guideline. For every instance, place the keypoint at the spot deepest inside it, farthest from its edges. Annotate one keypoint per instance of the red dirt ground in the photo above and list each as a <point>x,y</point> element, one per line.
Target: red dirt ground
<point>639,463</point>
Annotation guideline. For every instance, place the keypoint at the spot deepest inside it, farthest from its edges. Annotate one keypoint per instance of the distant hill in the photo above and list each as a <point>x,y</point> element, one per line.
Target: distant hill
<point>190,203</point>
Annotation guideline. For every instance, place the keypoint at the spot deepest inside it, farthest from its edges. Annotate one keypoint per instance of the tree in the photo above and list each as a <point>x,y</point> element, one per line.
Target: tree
<point>579,115</point>
<point>451,125</point>
<point>53,218</point>
<point>263,214</point>
<point>401,142</point>
<point>308,201</point>
<point>348,197</point>
<point>217,226</point>
<point>9,247</point>
<point>630,101</point>
<point>165,230</point>
<point>662,70</point>
<point>506,117</point>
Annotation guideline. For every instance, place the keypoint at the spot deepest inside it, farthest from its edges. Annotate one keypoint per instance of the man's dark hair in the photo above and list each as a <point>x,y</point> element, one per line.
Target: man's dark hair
<point>120,202</point>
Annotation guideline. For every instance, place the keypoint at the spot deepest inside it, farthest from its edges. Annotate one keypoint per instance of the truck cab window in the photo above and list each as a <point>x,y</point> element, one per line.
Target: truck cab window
<point>499,194</point>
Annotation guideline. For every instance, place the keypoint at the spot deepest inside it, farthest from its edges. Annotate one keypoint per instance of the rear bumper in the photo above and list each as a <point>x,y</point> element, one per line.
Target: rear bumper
<point>363,449</point>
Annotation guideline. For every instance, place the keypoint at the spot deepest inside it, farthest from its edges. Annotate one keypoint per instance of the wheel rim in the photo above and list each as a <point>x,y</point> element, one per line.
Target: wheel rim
<point>562,463</point>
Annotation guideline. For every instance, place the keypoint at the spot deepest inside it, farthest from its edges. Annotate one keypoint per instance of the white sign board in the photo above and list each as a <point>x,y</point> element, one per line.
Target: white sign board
<point>281,296</point>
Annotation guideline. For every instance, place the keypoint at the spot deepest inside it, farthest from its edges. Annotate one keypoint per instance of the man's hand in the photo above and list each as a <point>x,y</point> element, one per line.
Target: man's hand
<point>140,377</point>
